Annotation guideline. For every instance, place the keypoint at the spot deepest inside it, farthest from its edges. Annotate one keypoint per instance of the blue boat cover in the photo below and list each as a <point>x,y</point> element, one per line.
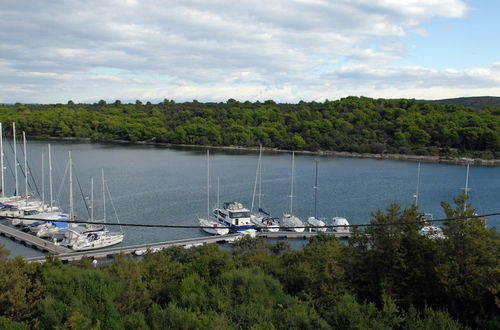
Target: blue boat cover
<point>61,223</point>
<point>262,211</point>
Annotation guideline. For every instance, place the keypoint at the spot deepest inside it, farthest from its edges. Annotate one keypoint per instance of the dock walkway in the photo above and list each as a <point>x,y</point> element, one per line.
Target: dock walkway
<point>32,241</point>
<point>67,255</point>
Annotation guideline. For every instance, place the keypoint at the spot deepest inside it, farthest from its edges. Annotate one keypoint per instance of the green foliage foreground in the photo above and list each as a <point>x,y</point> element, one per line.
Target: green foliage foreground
<point>387,277</point>
<point>353,124</point>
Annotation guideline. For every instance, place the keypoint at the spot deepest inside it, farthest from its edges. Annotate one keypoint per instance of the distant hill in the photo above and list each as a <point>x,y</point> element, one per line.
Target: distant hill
<point>476,102</point>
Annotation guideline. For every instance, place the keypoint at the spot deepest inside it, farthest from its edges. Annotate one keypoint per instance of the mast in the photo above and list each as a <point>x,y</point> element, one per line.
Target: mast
<point>103,194</point>
<point>91,198</point>
<point>25,167</point>
<point>15,158</point>
<point>256,180</point>
<point>218,203</point>
<point>50,179</point>
<point>208,184</point>
<point>43,184</point>
<point>316,192</point>
<point>70,189</point>
<point>418,184</point>
<point>466,189</point>
<point>260,178</point>
<point>1,160</point>
<point>291,186</point>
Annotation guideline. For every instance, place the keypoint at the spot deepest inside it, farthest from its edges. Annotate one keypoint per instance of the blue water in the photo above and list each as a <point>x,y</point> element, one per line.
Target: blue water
<point>161,185</point>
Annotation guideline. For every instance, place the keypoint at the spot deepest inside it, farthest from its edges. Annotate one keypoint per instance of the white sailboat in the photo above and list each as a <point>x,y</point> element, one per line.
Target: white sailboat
<point>261,218</point>
<point>314,223</point>
<point>428,229</point>
<point>211,226</point>
<point>8,202</point>
<point>290,221</point>
<point>25,206</point>
<point>81,238</point>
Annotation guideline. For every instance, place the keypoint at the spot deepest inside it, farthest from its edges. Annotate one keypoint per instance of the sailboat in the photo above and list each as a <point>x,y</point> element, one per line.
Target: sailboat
<point>211,226</point>
<point>81,238</point>
<point>428,230</point>
<point>57,228</point>
<point>314,223</point>
<point>25,207</point>
<point>261,219</point>
<point>290,221</point>
<point>8,204</point>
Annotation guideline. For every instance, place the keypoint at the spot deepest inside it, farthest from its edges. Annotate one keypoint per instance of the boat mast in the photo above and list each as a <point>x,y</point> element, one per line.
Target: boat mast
<point>70,188</point>
<point>260,177</point>
<point>208,184</point>
<point>50,178</point>
<point>418,184</point>
<point>256,180</point>
<point>25,167</point>
<point>103,194</point>
<point>316,192</point>
<point>43,184</point>
<point>466,189</point>
<point>291,186</point>
<point>1,160</point>
<point>218,203</point>
<point>91,198</point>
<point>15,158</point>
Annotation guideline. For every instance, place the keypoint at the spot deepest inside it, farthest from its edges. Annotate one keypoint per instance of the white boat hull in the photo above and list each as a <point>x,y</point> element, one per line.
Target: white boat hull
<point>265,223</point>
<point>213,227</point>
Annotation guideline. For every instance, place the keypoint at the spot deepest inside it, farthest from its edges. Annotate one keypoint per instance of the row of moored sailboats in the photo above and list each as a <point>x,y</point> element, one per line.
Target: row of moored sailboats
<point>46,220</point>
<point>233,217</point>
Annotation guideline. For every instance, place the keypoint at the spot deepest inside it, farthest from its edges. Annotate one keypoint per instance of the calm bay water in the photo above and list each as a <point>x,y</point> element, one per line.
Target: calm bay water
<point>160,185</point>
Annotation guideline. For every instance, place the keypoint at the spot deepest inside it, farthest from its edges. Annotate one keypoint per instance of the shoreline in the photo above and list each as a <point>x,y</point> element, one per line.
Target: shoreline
<point>412,158</point>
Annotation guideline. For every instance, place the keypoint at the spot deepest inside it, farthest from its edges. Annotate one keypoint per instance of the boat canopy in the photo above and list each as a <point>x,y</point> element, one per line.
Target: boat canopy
<point>264,212</point>
<point>61,223</point>
<point>6,206</point>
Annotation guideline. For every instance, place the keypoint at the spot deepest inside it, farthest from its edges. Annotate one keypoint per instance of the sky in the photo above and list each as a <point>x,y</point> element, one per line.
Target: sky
<point>54,51</point>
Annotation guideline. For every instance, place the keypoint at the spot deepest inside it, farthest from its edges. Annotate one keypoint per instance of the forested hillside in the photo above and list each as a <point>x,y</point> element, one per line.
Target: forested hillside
<point>350,124</point>
<point>387,277</point>
<point>476,102</point>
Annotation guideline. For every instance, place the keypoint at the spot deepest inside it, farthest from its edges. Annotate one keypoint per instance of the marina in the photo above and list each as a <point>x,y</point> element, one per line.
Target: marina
<point>164,186</point>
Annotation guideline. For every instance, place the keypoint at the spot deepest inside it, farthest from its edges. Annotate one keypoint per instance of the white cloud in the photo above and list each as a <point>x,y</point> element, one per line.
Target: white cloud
<point>286,50</point>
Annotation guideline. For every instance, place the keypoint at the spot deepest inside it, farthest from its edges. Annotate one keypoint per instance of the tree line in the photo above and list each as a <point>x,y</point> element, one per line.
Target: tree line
<point>386,277</point>
<point>353,124</point>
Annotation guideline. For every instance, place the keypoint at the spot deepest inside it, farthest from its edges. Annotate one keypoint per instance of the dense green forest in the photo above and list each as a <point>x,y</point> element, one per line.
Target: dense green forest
<point>354,124</point>
<point>386,277</point>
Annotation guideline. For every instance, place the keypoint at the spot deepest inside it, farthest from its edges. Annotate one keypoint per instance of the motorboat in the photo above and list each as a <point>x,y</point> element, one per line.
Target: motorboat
<point>234,216</point>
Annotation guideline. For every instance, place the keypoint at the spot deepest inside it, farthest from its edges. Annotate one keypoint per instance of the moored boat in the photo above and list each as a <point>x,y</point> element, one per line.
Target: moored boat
<point>213,227</point>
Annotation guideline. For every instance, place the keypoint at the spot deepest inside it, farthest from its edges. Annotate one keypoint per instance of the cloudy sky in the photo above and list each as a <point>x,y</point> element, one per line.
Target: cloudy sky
<point>286,50</point>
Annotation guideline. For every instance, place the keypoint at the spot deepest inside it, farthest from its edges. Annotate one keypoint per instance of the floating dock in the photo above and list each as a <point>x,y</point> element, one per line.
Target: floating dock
<point>67,255</point>
<point>32,241</point>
